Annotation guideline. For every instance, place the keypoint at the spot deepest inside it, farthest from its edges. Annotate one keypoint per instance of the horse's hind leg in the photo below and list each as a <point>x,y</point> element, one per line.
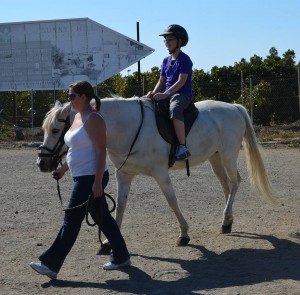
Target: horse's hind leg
<point>234,180</point>
<point>123,185</point>
<point>164,182</point>
<point>229,186</point>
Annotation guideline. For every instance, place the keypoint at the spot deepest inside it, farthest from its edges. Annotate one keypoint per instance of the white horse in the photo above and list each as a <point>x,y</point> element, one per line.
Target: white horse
<point>217,136</point>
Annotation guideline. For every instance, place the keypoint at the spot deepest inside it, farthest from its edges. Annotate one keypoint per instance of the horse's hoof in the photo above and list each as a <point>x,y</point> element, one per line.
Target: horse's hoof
<point>226,229</point>
<point>182,241</point>
<point>104,249</point>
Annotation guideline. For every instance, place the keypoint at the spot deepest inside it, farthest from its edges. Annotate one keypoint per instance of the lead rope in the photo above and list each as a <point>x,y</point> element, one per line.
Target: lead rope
<point>113,201</point>
<point>87,203</point>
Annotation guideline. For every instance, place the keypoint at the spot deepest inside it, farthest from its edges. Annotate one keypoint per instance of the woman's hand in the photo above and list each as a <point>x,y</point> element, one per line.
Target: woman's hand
<point>97,190</point>
<point>59,172</point>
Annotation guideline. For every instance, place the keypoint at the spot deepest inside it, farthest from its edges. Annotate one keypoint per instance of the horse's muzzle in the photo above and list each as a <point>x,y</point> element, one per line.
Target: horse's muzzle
<point>43,166</point>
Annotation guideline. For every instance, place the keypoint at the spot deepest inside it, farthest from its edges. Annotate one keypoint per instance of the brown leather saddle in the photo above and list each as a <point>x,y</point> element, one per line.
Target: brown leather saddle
<point>165,125</point>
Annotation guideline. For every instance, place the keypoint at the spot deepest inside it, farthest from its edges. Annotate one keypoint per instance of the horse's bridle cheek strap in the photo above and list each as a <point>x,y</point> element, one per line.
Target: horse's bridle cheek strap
<point>54,153</point>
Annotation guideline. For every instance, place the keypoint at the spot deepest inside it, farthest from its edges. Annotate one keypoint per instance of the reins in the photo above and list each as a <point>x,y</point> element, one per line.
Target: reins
<point>97,216</point>
<point>54,153</point>
<point>84,203</point>
<point>67,121</point>
<point>87,203</point>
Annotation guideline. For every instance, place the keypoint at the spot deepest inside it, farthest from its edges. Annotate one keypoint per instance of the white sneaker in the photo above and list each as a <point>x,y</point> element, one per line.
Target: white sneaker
<point>112,266</point>
<point>43,270</point>
<point>111,257</point>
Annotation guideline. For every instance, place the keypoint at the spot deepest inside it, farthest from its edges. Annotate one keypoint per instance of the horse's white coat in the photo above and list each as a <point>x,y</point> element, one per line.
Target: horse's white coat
<point>217,136</point>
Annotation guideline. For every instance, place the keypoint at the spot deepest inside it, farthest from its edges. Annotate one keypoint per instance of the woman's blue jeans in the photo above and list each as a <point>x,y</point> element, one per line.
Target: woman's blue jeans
<point>54,257</point>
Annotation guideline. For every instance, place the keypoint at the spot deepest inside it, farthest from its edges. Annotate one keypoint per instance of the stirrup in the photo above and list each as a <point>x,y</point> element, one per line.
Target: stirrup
<point>184,155</point>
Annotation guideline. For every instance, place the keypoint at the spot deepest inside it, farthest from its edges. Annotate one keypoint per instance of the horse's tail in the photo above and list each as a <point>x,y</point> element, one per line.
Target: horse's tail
<point>257,173</point>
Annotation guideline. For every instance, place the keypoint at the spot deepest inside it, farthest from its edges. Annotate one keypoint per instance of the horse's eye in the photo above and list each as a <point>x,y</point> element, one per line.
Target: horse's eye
<point>55,130</point>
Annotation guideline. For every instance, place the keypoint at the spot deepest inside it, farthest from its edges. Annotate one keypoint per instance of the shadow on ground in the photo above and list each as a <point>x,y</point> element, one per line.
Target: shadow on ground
<point>231,268</point>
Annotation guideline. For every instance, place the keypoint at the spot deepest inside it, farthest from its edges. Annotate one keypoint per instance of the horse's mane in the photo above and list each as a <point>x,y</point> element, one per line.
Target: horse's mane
<point>52,116</point>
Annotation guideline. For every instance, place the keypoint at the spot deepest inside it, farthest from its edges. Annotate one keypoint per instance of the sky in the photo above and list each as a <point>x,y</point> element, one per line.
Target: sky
<point>221,32</point>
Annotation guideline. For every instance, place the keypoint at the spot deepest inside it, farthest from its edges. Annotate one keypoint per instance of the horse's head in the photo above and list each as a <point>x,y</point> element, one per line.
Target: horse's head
<point>55,125</point>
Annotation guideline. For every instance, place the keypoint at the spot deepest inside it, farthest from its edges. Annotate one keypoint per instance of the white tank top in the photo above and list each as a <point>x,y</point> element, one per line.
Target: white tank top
<point>81,156</point>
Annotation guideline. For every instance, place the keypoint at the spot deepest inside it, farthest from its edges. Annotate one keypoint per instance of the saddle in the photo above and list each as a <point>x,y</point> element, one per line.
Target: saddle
<point>165,125</point>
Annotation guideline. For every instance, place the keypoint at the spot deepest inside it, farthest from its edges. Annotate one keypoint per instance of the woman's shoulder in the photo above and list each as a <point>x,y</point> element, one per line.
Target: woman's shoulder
<point>94,122</point>
<point>95,117</point>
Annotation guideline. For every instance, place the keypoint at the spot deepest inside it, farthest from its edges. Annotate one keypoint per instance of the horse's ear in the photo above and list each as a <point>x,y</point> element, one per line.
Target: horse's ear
<point>93,103</point>
<point>57,103</point>
<point>66,109</point>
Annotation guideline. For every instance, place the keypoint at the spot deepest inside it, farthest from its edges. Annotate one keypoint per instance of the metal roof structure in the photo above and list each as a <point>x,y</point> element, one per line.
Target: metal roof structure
<point>51,54</point>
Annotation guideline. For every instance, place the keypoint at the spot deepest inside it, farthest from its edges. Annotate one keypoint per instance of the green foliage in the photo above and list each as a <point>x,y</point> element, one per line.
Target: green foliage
<point>275,87</point>
<point>294,145</point>
<point>267,134</point>
<point>203,86</point>
<point>109,87</point>
<point>260,102</point>
<point>6,132</point>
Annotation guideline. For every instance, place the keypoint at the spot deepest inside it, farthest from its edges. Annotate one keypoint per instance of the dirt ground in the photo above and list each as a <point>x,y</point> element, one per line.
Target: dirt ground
<point>261,256</point>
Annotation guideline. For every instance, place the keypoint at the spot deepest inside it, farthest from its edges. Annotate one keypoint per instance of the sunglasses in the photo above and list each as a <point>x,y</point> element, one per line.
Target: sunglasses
<point>72,96</point>
<point>170,40</point>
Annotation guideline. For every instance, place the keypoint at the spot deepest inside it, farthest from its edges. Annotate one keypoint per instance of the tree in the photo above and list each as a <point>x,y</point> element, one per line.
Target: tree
<point>281,75</point>
<point>262,111</point>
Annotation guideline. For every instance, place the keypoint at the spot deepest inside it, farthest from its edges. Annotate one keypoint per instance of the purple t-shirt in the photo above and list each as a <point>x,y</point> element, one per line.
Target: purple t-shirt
<point>171,70</point>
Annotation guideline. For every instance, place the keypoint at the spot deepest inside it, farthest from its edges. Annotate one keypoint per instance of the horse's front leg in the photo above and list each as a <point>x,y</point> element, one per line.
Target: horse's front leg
<point>123,187</point>
<point>164,182</point>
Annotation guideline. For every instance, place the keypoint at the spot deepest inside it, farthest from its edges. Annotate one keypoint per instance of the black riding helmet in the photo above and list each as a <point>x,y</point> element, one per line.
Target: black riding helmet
<point>178,31</point>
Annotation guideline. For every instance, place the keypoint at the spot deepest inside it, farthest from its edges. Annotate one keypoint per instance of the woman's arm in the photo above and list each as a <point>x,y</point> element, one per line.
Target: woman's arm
<point>96,130</point>
<point>59,172</point>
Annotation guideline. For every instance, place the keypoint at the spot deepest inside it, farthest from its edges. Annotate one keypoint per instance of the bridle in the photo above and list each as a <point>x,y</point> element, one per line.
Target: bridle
<point>54,153</point>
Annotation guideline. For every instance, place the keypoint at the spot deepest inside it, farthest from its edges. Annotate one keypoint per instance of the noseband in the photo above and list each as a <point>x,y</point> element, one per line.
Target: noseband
<point>55,152</point>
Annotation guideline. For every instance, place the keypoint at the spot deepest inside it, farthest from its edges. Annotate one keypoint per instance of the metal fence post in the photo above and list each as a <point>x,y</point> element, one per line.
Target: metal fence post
<point>32,115</point>
<point>242,88</point>
<point>251,101</point>
<point>54,92</point>
<point>299,85</point>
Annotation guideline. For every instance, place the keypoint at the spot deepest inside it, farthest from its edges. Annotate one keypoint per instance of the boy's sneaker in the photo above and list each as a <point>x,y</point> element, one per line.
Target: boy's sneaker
<point>112,266</point>
<point>43,270</point>
<point>182,153</point>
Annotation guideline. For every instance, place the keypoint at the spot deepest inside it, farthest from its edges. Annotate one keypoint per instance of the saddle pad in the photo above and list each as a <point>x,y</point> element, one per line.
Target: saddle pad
<point>165,124</point>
